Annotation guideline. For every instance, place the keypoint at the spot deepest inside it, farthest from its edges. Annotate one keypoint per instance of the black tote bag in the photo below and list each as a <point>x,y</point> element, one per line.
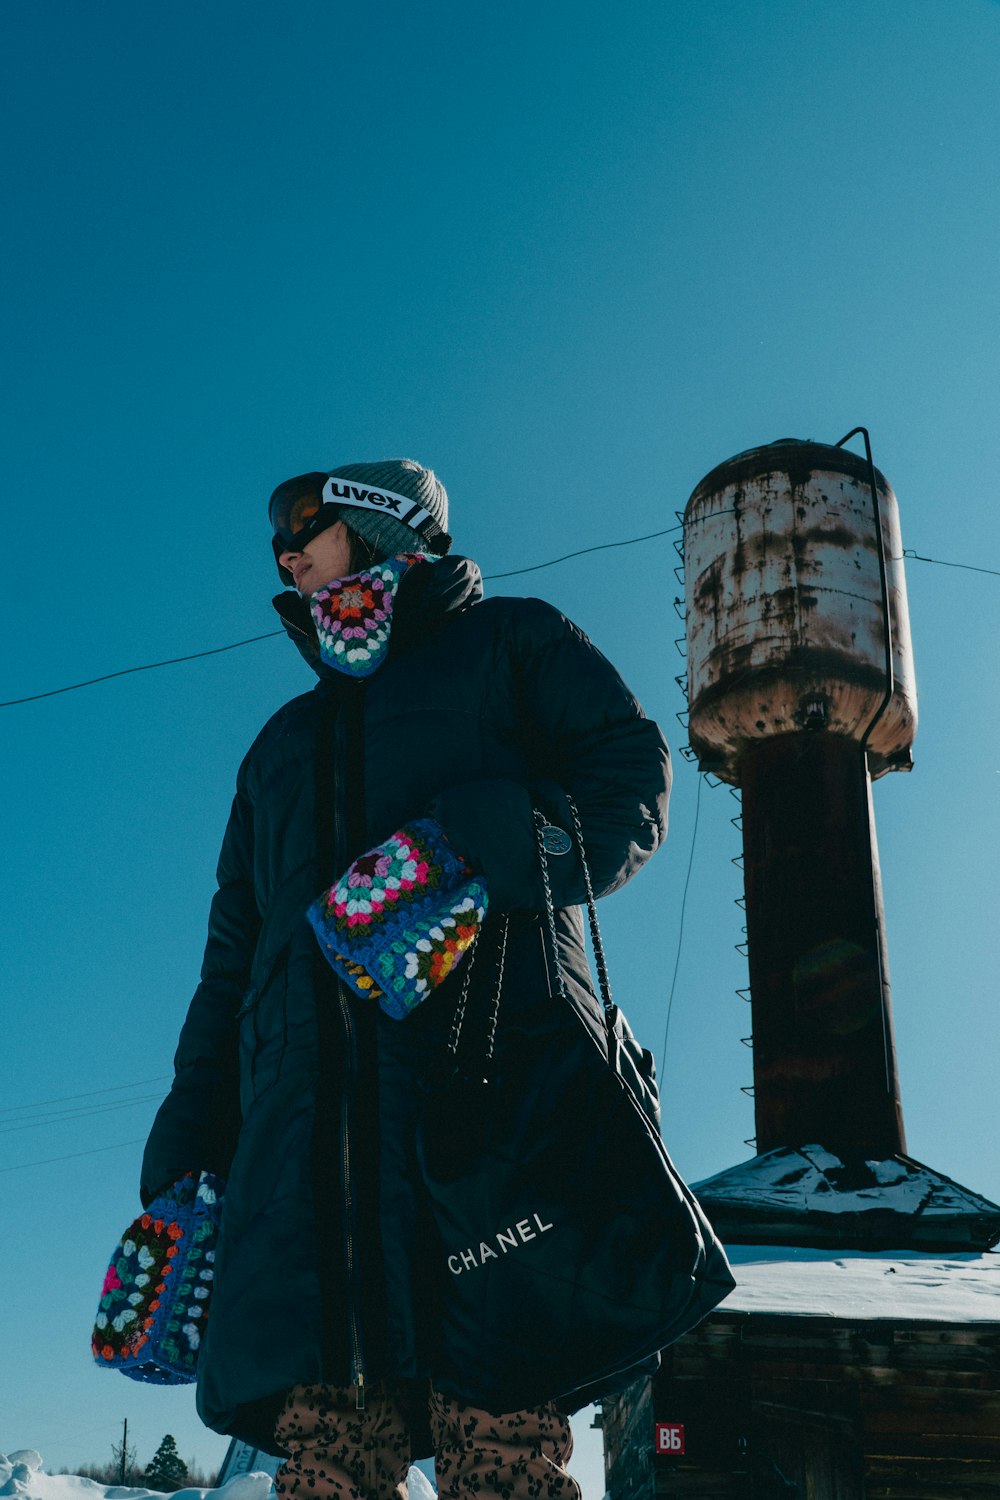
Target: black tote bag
<point>571,1251</point>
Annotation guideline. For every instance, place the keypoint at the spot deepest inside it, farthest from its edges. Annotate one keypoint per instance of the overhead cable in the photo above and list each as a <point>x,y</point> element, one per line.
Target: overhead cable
<point>268,635</point>
<point>969,567</point>
<point>85,1112</point>
<point>115,1088</point>
<point>149,666</point>
<point>94,1151</point>
<point>680,930</point>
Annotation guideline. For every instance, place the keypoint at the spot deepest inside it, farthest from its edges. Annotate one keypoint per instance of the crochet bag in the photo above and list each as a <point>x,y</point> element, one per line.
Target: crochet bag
<point>157,1289</point>
<point>571,1251</point>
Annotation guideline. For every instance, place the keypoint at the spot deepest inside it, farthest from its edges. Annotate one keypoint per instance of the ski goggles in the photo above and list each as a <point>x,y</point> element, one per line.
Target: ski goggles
<point>301,508</point>
<point>297,514</point>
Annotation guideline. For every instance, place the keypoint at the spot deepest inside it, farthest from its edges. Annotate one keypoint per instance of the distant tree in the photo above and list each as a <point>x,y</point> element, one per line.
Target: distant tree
<point>199,1478</point>
<point>123,1468</point>
<point>167,1471</point>
<point>106,1473</point>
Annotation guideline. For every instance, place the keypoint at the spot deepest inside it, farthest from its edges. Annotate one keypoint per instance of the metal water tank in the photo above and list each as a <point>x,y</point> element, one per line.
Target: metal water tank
<point>796,607</point>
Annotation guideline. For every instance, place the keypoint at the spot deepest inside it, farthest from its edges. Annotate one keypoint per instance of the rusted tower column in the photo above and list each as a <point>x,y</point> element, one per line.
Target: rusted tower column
<point>801,692</point>
<point>824,1058</point>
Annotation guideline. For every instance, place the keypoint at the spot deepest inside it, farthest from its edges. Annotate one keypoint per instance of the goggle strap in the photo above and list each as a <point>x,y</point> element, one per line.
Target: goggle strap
<point>402,508</point>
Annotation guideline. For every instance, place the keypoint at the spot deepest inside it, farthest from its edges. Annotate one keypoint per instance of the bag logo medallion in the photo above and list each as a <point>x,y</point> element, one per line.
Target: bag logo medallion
<point>555,840</point>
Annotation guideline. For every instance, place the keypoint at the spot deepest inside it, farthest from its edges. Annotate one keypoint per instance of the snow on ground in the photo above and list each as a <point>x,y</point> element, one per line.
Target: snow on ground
<point>21,1476</point>
<point>865,1284</point>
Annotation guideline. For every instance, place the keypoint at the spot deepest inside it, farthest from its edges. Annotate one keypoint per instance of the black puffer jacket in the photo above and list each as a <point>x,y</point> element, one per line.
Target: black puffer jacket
<point>301,1095</point>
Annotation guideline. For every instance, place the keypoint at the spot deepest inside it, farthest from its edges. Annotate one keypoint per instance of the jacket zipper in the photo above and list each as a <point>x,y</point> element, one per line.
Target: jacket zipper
<point>357,1351</point>
<point>356,1347</point>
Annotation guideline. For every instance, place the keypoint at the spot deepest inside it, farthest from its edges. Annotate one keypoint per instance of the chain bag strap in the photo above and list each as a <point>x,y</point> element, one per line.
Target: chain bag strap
<point>595,931</point>
<point>554,840</point>
<point>626,1056</point>
<point>458,1020</point>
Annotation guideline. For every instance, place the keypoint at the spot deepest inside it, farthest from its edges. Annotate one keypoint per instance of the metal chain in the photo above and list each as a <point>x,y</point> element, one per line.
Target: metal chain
<point>550,916</point>
<point>550,910</point>
<point>491,1030</point>
<point>459,1016</point>
<point>595,932</point>
<point>458,1020</point>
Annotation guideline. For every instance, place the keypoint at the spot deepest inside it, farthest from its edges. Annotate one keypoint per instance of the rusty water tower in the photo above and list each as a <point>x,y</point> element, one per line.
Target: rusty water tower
<point>801,692</point>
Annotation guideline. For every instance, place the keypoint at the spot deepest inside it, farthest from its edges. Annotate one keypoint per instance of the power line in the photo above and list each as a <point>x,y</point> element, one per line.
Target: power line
<point>150,666</point>
<point>680,933</point>
<point>115,1088</point>
<point>172,661</point>
<point>64,1116</point>
<point>94,1151</point>
<point>601,547</point>
<point>273,634</point>
<point>969,567</point>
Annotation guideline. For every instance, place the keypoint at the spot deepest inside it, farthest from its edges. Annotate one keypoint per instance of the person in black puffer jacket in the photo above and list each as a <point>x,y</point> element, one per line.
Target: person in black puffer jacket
<point>383,824</point>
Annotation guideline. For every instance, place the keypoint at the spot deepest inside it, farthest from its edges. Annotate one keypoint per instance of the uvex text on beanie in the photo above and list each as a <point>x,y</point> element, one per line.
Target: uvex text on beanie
<point>404,476</point>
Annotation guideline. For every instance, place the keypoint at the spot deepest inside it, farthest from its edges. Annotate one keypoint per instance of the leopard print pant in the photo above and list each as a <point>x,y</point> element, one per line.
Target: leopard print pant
<point>336,1450</point>
<point>340,1453</point>
<point>521,1455</point>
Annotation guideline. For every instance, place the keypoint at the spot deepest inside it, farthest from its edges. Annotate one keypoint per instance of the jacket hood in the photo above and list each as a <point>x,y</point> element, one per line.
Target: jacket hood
<point>428,593</point>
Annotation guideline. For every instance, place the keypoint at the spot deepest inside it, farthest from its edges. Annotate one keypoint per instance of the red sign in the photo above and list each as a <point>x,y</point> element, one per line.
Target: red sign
<point>670,1438</point>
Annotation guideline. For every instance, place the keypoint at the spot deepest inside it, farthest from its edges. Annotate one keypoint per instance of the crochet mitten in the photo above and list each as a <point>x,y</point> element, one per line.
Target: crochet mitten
<point>401,917</point>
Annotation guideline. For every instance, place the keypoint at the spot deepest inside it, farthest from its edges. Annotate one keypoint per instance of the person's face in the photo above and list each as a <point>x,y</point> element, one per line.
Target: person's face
<point>324,559</point>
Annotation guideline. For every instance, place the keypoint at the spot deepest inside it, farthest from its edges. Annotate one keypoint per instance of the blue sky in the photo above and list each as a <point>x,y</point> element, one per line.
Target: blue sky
<point>572,256</point>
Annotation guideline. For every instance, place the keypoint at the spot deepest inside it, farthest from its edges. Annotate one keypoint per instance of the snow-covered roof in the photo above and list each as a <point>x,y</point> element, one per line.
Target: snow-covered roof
<point>857,1284</point>
<point>807,1195</point>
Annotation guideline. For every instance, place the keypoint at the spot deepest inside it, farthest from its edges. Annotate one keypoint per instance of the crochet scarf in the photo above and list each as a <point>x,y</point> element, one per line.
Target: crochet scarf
<point>353,615</point>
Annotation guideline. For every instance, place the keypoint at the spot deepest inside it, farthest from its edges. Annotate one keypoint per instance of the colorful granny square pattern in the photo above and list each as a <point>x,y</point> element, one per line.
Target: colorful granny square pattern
<point>401,917</point>
<point>353,616</point>
<point>155,1298</point>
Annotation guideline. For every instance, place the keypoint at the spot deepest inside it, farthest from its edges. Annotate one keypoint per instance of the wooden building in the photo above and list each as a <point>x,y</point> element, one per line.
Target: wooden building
<point>851,1376</point>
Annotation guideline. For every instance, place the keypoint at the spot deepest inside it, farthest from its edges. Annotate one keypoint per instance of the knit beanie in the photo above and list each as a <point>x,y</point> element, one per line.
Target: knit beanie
<point>404,476</point>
